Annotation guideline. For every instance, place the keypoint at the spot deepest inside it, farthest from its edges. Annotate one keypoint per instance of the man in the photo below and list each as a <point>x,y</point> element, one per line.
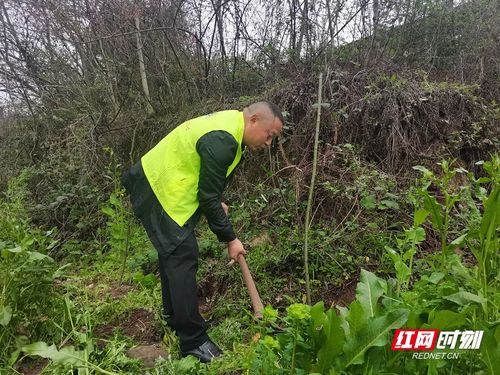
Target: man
<point>179,179</point>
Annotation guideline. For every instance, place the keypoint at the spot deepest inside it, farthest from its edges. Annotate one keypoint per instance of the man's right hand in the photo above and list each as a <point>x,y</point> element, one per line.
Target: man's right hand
<point>225,207</point>
<point>235,249</point>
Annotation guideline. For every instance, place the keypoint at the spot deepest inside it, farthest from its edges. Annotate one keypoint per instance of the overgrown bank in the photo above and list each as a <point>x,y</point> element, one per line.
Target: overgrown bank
<point>86,306</point>
<point>68,234</point>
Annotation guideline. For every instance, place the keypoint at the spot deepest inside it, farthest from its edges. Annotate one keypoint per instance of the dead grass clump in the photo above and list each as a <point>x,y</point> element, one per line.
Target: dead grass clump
<point>399,120</point>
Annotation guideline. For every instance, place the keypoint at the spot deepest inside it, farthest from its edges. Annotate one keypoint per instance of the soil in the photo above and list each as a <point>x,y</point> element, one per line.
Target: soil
<point>114,289</point>
<point>138,324</point>
<point>347,294</point>
<point>30,366</point>
<point>141,326</point>
<point>118,291</point>
<point>341,296</point>
<point>209,290</point>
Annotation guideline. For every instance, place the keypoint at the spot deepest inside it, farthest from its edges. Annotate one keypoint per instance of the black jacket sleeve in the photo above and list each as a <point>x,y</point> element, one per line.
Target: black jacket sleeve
<point>217,151</point>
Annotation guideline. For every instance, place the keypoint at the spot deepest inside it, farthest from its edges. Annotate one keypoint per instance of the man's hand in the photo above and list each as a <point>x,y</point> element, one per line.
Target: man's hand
<point>235,249</point>
<point>225,207</point>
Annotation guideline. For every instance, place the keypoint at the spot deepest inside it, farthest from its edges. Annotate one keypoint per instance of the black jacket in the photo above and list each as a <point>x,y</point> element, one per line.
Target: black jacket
<point>217,151</point>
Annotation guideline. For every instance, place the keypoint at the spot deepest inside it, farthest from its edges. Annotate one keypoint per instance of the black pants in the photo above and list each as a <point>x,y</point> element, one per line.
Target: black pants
<point>178,260</point>
<point>179,293</point>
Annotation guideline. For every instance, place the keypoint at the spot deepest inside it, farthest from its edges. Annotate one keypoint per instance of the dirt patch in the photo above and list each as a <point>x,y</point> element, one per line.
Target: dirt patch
<point>138,324</point>
<point>340,296</point>
<point>119,291</point>
<point>210,290</point>
<point>113,289</point>
<point>31,366</point>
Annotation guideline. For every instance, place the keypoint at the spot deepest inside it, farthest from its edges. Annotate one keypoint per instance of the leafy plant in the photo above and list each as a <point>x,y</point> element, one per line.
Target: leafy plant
<point>481,238</point>
<point>407,247</point>
<point>26,273</point>
<point>485,249</point>
<point>440,210</point>
<point>317,341</point>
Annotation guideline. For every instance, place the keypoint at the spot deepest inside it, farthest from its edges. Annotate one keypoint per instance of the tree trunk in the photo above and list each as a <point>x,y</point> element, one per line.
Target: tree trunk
<point>142,69</point>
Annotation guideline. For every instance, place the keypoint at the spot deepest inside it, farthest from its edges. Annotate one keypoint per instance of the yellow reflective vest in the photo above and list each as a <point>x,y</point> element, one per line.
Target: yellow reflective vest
<point>172,167</point>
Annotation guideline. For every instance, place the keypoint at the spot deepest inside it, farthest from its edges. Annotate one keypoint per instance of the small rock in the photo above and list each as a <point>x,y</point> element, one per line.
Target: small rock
<point>261,239</point>
<point>147,354</point>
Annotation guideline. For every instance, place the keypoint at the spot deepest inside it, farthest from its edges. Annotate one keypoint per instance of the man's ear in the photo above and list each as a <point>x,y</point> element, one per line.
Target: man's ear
<point>253,118</point>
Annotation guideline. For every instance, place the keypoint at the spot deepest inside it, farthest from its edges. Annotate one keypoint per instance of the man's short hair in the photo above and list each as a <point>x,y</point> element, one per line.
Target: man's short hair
<point>276,111</point>
<point>272,107</point>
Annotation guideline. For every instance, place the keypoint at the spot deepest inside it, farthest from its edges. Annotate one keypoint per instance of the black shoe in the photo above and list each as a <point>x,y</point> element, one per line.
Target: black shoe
<point>205,352</point>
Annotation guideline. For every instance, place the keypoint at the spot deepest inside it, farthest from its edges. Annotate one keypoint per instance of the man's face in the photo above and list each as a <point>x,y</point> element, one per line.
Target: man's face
<point>261,132</point>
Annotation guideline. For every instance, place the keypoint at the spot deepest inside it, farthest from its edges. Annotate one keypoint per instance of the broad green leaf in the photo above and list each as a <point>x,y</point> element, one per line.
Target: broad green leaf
<point>432,205</point>
<point>188,365</point>
<point>386,203</point>
<point>491,216</point>
<point>425,171</point>
<point>375,333</point>
<point>402,270</point>
<point>35,256</point>
<point>409,253</point>
<point>108,211</point>
<point>334,341</point>
<point>375,360</point>
<point>66,355</point>
<point>368,202</point>
<point>118,233</point>
<point>355,316</point>
<point>464,298</point>
<point>318,317</point>
<point>15,250</point>
<point>415,319</point>
<point>457,242</point>
<point>113,199</point>
<point>27,241</point>
<point>369,290</point>
<point>419,217</point>
<point>317,313</point>
<point>436,277</point>
<point>446,319</point>
<point>344,313</point>
<point>20,341</point>
<point>415,235</point>
<point>490,351</point>
<point>393,254</point>
<point>5,315</point>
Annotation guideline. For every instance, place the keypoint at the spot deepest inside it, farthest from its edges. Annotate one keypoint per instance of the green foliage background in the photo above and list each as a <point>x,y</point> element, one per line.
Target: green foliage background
<point>406,208</point>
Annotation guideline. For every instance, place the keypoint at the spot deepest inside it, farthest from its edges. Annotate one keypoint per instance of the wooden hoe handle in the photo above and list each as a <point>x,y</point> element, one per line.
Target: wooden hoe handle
<point>252,290</point>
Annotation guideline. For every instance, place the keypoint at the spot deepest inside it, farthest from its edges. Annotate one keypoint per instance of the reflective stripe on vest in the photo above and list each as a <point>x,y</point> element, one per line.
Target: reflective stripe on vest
<point>172,167</point>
